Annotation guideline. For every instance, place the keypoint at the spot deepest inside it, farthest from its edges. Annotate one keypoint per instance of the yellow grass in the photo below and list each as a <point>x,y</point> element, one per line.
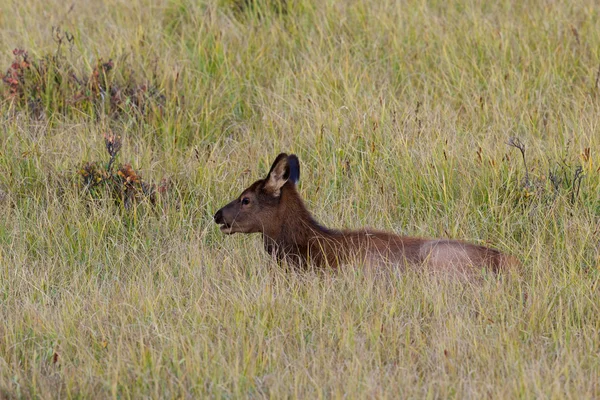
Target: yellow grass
<point>400,113</point>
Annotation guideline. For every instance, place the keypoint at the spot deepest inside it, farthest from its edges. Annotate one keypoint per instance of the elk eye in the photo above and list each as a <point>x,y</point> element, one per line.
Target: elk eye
<point>245,201</point>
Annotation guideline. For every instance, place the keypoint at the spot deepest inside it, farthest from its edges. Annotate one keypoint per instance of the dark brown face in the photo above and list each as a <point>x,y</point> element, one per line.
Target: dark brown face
<point>249,212</point>
<point>255,210</point>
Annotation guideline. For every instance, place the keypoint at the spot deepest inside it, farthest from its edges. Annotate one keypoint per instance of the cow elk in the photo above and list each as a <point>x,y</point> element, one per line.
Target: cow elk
<point>273,208</point>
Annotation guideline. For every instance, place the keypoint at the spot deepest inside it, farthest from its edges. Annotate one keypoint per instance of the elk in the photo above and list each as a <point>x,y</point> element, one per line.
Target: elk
<point>273,208</point>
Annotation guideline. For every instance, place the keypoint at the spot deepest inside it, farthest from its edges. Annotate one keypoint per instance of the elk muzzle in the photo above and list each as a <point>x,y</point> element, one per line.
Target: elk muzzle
<point>225,226</point>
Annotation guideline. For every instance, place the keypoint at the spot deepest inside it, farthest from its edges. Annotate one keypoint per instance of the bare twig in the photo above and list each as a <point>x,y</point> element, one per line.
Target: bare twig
<point>516,142</point>
<point>576,183</point>
<point>113,145</point>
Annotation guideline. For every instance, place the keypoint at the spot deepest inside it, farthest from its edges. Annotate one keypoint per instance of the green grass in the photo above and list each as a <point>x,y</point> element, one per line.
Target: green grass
<point>400,113</point>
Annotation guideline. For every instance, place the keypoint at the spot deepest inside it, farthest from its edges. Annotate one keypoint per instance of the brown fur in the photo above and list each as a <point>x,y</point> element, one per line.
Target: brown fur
<point>273,207</point>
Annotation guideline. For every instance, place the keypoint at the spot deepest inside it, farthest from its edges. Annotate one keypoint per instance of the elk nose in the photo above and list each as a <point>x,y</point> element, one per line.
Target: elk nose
<point>219,217</point>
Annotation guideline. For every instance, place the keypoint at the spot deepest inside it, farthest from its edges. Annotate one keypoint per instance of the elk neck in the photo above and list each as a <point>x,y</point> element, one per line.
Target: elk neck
<point>294,227</point>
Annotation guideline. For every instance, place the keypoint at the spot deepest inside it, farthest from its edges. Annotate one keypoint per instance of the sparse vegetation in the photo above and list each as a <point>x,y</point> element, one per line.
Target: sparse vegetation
<point>50,85</point>
<point>125,185</point>
<point>402,114</point>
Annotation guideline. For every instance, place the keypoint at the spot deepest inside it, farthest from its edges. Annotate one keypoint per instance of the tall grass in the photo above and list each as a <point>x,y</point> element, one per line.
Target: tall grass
<point>401,114</point>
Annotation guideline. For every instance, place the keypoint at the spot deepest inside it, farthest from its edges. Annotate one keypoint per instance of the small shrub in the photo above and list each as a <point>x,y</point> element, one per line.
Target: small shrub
<point>124,184</point>
<point>563,180</point>
<point>49,84</point>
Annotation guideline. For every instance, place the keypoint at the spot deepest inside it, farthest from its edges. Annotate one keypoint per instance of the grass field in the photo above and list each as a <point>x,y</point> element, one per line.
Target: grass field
<point>400,112</point>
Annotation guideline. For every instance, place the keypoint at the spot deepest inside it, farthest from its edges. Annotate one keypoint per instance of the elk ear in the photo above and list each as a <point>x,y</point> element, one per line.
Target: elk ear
<point>284,168</point>
<point>294,168</point>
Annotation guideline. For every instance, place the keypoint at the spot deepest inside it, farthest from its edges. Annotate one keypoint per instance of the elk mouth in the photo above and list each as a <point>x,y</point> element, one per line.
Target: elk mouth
<point>226,228</point>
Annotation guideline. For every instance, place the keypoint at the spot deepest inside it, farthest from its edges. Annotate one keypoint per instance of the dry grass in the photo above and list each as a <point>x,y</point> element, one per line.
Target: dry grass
<point>400,113</point>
